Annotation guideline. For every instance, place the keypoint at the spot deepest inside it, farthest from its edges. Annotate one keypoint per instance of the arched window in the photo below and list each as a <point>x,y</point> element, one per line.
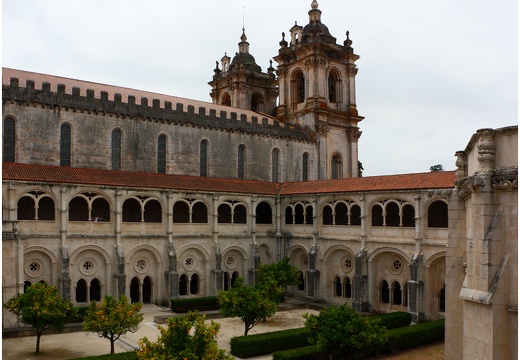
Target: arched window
<point>392,214</point>
<point>298,87</point>
<point>438,214</point>
<point>65,145</point>
<point>134,290</point>
<point>46,209</point>
<point>305,167</point>
<point>81,291</point>
<point>224,214</point>
<point>147,290</point>
<point>397,294</point>
<point>377,215</point>
<point>336,167</point>
<point>240,214</point>
<point>194,284</point>
<point>337,286</point>
<point>183,285</point>
<point>257,102</point>
<point>355,215</point>
<point>226,99</point>
<point>203,158</point>
<point>100,210</point>
<point>116,149</point>
<point>348,287</point>
<point>341,214</point>
<point>334,83</point>
<point>289,217</point>
<point>153,211</point>
<point>301,282</point>
<point>161,154</point>
<point>299,215</point>
<point>328,218</point>
<point>199,213</point>
<point>274,165</point>
<point>9,138</point>
<point>309,215</point>
<point>26,285</point>
<point>385,292</point>
<point>131,210</point>
<point>241,161</point>
<point>408,216</point>
<point>181,213</point>
<point>26,209</point>
<point>264,213</point>
<point>95,290</point>
<point>78,209</point>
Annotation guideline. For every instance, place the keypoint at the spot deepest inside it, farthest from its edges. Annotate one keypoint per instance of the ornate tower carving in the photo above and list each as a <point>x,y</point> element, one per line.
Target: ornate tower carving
<point>316,79</point>
<point>241,83</point>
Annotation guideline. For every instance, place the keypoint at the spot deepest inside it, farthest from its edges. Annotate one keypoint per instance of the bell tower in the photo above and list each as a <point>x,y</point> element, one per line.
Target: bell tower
<point>241,83</point>
<point>316,78</point>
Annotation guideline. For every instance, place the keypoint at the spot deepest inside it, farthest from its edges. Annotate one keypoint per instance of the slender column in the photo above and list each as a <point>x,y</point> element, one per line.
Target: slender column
<point>65,281</point>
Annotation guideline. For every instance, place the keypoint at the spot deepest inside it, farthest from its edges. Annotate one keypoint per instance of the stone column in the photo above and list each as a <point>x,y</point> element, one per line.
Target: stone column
<point>416,289</point>
<point>312,273</point>
<point>360,301</point>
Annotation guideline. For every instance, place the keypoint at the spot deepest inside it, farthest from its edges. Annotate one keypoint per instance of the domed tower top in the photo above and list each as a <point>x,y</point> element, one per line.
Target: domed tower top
<point>243,57</point>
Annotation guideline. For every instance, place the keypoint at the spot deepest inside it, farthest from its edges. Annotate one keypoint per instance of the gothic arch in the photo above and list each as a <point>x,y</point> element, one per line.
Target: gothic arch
<point>92,247</point>
<point>385,250</point>
<point>197,247</point>
<point>237,249</point>
<point>335,248</point>
<point>146,247</point>
<point>434,258</point>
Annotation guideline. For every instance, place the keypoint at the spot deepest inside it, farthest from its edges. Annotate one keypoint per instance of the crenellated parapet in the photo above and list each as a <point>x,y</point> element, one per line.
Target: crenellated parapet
<point>157,110</point>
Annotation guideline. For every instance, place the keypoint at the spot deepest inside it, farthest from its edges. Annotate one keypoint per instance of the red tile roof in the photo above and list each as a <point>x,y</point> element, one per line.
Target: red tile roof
<point>429,180</point>
<point>86,176</point>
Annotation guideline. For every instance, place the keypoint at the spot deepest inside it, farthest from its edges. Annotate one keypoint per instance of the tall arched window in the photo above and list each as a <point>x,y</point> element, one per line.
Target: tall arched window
<point>298,87</point>
<point>274,164</point>
<point>9,140</point>
<point>334,83</point>
<point>65,145</point>
<point>161,154</point>
<point>203,158</point>
<point>305,167</point>
<point>116,149</point>
<point>336,167</point>
<point>226,99</point>
<point>257,102</point>
<point>241,161</point>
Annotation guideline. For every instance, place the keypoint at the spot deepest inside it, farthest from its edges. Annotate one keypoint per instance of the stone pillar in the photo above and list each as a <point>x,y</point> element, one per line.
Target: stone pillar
<point>65,281</point>
<point>360,301</point>
<point>416,289</point>
<point>121,275</point>
<point>218,273</point>
<point>312,274</point>
<point>173,275</point>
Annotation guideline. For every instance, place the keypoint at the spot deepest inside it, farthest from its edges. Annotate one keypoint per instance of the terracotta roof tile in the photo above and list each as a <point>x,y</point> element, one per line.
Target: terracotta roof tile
<point>69,175</point>
<point>429,180</point>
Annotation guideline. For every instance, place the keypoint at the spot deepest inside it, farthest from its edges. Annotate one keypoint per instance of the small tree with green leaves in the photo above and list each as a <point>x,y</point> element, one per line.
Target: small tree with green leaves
<point>112,318</point>
<point>282,273</point>
<point>341,332</point>
<point>41,307</point>
<point>247,303</point>
<point>185,337</point>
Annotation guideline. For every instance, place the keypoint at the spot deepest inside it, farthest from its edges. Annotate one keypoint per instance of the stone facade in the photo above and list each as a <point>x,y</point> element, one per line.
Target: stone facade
<point>482,250</point>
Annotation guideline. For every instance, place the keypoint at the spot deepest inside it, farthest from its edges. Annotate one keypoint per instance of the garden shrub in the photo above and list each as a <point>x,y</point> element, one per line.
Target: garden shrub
<point>267,343</point>
<point>393,320</point>
<point>201,304</point>
<point>310,352</point>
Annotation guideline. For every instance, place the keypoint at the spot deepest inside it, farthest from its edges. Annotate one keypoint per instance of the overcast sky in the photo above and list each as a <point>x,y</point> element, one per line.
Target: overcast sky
<point>431,72</point>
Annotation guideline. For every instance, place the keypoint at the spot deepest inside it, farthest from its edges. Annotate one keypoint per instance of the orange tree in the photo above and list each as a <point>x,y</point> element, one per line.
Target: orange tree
<point>112,318</point>
<point>251,304</point>
<point>41,307</point>
<point>185,337</point>
<point>281,274</point>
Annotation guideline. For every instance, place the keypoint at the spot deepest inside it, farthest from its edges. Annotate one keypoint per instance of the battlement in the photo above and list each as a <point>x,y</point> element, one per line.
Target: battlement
<point>159,109</point>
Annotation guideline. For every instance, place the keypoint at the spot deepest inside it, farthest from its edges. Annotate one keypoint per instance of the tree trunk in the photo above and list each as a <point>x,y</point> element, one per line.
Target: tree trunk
<point>38,336</point>
<point>112,341</point>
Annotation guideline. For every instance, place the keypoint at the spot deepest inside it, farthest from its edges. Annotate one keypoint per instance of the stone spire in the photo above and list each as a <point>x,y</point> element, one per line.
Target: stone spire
<point>243,45</point>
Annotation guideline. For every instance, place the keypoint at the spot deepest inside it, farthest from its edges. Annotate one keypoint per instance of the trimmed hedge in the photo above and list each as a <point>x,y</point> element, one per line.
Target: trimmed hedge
<point>393,320</point>
<point>267,343</point>
<point>200,304</point>
<point>398,339</point>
